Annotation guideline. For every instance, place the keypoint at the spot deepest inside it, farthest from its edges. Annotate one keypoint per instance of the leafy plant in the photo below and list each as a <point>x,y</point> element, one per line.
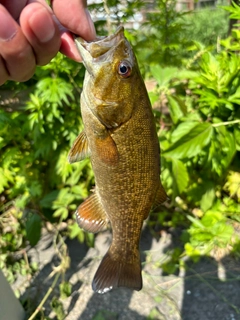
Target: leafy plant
<point>199,142</point>
<point>168,38</point>
<point>36,182</point>
<point>214,29</point>
<point>195,99</point>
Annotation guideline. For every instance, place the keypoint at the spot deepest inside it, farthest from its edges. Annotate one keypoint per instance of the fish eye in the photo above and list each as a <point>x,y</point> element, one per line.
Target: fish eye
<point>124,69</point>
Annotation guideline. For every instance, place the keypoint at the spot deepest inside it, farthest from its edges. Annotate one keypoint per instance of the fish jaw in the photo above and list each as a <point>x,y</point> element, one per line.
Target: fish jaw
<point>97,49</point>
<point>99,54</point>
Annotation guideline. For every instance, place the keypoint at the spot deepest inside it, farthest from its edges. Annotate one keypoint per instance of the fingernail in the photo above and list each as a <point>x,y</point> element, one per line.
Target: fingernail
<point>61,28</point>
<point>91,25</point>
<point>42,25</point>
<point>8,29</point>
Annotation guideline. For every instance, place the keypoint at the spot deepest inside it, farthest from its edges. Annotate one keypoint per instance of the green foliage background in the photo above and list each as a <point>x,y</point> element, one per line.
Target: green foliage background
<point>196,96</point>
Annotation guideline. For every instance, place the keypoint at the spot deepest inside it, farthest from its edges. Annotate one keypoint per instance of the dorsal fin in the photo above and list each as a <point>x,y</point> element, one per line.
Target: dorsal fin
<point>91,215</point>
<point>80,149</point>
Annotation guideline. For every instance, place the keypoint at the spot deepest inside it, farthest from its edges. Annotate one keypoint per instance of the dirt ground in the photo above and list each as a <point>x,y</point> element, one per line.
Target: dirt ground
<point>207,290</point>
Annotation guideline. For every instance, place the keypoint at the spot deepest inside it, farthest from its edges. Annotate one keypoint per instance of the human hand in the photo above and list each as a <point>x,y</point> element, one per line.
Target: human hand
<point>31,35</point>
<point>75,18</point>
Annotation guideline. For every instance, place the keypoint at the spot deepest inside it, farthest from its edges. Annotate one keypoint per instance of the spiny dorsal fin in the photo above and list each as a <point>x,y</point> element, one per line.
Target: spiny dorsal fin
<point>91,215</point>
<point>113,273</point>
<point>80,149</point>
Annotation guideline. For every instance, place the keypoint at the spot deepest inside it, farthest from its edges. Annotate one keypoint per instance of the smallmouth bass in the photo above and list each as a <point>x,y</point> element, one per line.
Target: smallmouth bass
<point>120,138</point>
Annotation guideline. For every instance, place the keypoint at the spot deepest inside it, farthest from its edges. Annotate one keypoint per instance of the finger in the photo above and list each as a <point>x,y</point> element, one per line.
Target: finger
<point>14,7</point>
<point>38,25</point>
<point>4,76</point>
<point>68,47</point>
<point>75,17</point>
<point>15,50</point>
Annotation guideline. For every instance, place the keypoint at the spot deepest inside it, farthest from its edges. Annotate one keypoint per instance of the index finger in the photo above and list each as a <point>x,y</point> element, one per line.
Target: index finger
<point>74,16</point>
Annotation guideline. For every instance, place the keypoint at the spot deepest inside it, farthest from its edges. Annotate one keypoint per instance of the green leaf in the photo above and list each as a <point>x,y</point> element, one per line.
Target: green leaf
<point>74,230</point>
<point>35,189</point>
<point>207,199</point>
<point>192,252</point>
<point>33,229</point>
<point>234,9</point>
<point>186,74</point>
<point>237,137</point>
<point>192,143</point>
<point>175,109</point>
<point>154,315</point>
<point>61,212</point>
<point>180,174</point>
<point>47,201</point>
<point>196,222</point>
<point>153,96</point>
<point>65,289</point>
<point>105,315</point>
<point>233,184</point>
<point>163,75</point>
<point>182,129</point>
<point>90,239</point>
<point>57,307</point>
<point>81,235</point>
<point>230,149</point>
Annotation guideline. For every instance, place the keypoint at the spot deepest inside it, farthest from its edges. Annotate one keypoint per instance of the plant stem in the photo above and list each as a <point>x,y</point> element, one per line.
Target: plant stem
<point>226,123</point>
<point>109,23</point>
<point>50,290</point>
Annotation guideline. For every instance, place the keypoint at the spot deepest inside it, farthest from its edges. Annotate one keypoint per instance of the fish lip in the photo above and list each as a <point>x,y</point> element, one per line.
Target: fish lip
<point>115,37</point>
<point>100,49</point>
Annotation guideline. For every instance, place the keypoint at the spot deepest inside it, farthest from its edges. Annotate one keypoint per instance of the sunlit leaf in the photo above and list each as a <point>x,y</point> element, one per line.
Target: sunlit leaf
<point>182,129</point>
<point>192,143</point>
<point>207,199</point>
<point>175,109</point>
<point>163,75</point>
<point>180,174</point>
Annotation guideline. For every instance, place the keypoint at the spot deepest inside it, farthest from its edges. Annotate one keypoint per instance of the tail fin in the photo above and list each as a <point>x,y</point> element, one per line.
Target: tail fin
<point>117,273</point>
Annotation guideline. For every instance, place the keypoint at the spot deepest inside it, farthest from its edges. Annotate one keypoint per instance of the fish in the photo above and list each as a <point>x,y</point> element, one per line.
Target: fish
<point>120,138</point>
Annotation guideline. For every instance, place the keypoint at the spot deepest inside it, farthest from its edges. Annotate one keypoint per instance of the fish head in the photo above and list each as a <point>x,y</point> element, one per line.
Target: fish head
<point>113,79</point>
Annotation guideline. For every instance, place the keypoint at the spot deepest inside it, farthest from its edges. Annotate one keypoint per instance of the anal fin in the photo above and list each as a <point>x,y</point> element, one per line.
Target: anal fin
<point>80,149</point>
<point>91,215</point>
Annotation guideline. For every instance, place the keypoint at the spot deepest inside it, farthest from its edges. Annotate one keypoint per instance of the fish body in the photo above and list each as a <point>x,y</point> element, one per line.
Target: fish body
<point>120,138</point>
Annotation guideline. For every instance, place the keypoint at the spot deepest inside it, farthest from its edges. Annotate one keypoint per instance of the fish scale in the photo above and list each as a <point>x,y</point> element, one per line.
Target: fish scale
<point>120,138</point>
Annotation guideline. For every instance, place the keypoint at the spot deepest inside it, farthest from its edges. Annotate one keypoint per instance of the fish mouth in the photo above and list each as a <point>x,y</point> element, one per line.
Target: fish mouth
<point>96,50</point>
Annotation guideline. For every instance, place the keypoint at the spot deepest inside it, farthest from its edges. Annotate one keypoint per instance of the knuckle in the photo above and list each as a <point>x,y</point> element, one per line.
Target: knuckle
<point>44,58</point>
<point>25,75</point>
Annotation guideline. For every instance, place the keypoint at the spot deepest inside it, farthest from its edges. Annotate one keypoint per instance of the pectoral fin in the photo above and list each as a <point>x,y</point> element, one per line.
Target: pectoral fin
<point>80,149</point>
<point>106,149</point>
<point>91,215</point>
